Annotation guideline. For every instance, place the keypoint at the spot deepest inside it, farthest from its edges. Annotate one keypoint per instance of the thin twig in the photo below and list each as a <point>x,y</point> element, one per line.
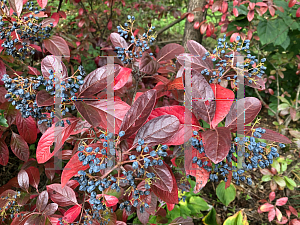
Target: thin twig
<point>169,26</point>
<point>263,102</point>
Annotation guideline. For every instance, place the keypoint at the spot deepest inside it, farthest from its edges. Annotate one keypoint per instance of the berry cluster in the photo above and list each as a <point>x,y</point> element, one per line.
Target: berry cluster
<point>225,61</point>
<point>18,32</point>
<point>136,175</point>
<point>137,45</point>
<point>10,206</point>
<point>22,93</point>
<point>256,154</point>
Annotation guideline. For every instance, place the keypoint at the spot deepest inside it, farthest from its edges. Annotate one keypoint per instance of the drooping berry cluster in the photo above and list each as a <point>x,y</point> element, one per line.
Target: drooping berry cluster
<point>224,57</point>
<point>137,45</point>
<point>10,206</point>
<point>18,32</point>
<point>22,93</point>
<point>256,154</point>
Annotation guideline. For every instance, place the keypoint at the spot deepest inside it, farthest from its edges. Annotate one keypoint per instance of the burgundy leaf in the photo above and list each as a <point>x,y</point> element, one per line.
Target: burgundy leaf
<point>143,217</point>
<point>42,201</point>
<point>4,153</point>
<point>43,98</point>
<point>17,6</point>
<point>169,51</point>
<point>204,105</point>
<point>96,113</point>
<point>118,41</point>
<point>23,180</point>
<point>33,71</point>
<point>258,84</point>
<point>19,147</point>
<point>217,143</point>
<point>152,202</point>
<point>195,62</point>
<point>57,46</point>
<point>2,71</point>
<point>158,130</point>
<point>10,112</point>
<point>50,170</point>
<point>251,107</point>
<point>72,213</point>
<point>50,209</point>
<point>164,181</point>
<point>72,184</point>
<point>27,128</point>
<point>198,50</point>
<point>21,219</point>
<point>138,113</point>
<point>62,196</point>
<point>148,65</point>
<point>34,176</point>
<point>96,81</point>
<point>54,134</point>
<point>53,63</point>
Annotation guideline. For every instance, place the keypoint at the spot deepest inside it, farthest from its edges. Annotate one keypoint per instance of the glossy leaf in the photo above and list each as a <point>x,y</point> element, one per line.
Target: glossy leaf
<point>54,134</point>
<point>169,51</point>
<point>164,181</point>
<point>148,65</point>
<point>57,46</point>
<point>4,153</point>
<point>27,128</point>
<point>158,130</point>
<point>122,78</point>
<point>96,81</point>
<point>54,63</point>
<point>204,106</point>
<point>138,113</point>
<point>118,41</point>
<point>210,218</point>
<point>43,98</point>
<point>238,218</point>
<point>34,176</point>
<point>42,201</point>
<point>195,62</point>
<point>50,209</point>
<point>19,147</point>
<point>198,50</point>
<point>96,112</point>
<point>217,143</point>
<point>62,196</point>
<point>72,213</point>
<point>266,207</point>
<point>42,3</point>
<point>224,99</point>
<point>16,5</point>
<point>23,180</point>
<point>225,195</point>
<point>251,108</point>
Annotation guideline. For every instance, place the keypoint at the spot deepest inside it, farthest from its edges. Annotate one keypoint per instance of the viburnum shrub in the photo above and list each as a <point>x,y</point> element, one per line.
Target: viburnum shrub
<point>126,164</point>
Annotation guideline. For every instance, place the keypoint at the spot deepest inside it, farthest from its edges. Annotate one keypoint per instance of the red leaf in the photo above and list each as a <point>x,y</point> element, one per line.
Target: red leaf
<point>250,15</point>
<point>217,143</point>
<point>55,16</point>
<point>71,169</point>
<point>166,196</point>
<point>148,65</point>
<point>118,41</point>
<point>34,176</point>
<point>43,98</point>
<point>158,130</point>
<point>138,113</point>
<point>251,107</point>
<point>96,112</point>
<point>62,196</point>
<point>19,147</point>
<point>72,213</point>
<point>293,221</point>
<point>170,206</point>
<point>271,215</point>
<point>272,196</point>
<point>111,200</point>
<point>33,71</point>
<point>278,214</point>
<point>233,37</point>
<point>50,170</point>
<point>224,99</point>
<point>4,153</point>
<point>190,17</point>
<point>266,207</point>
<point>281,201</point>
<point>169,51</point>
<point>298,12</point>
<point>23,180</point>
<point>17,6</point>
<point>57,46</point>
<point>292,3</point>
<point>109,25</point>
<point>53,63</point>
<point>42,3</point>
<point>62,14</point>
<point>122,78</point>
<point>50,209</point>
<point>176,84</point>
<point>224,7</point>
<point>42,201</point>
<point>27,128</point>
<point>164,181</point>
<point>54,134</point>
<point>193,169</point>
<point>72,184</point>
<point>293,210</point>
<point>196,25</point>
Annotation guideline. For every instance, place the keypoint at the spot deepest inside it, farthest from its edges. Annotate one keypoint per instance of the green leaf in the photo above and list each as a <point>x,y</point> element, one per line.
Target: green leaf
<point>290,181</point>
<point>291,22</point>
<point>210,218</point>
<point>266,178</point>
<point>283,106</point>
<point>242,9</point>
<point>237,219</point>
<point>3,121</point>
<point>283,100</point>
<point>265,30</point>
<point>175,213</point>
<point>281,31</point>
<point>184,209</point>
<point>283,166</point>
<point>226,195</point>
<point>248,197</point>
<point>279,180</point>
<point>197,204</point>
<point>276,166</point>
